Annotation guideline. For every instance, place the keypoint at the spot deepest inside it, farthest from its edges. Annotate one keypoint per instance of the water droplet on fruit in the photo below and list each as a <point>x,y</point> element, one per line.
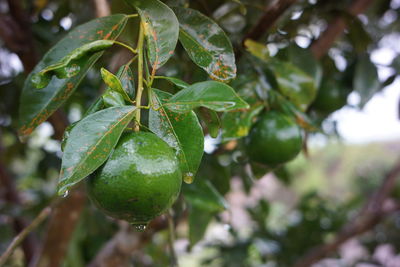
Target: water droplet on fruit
<point>188,177</point>
<point>139,227</point>
<point>65,194</point>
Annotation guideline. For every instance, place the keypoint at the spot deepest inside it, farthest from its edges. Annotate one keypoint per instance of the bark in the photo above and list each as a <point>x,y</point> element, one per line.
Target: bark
<point>63,220</point>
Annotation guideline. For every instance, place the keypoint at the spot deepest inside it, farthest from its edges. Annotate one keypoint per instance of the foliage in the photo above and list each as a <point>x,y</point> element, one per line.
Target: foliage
<point>185,71</point>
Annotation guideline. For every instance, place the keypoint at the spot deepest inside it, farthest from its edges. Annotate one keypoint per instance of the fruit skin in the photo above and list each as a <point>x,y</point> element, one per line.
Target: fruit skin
<point>274,139</point>
<point>331,96</point>
<point>139,181</point>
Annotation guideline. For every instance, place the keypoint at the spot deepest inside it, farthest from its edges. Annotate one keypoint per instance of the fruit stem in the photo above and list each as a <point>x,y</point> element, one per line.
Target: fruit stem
<point>139,49</point>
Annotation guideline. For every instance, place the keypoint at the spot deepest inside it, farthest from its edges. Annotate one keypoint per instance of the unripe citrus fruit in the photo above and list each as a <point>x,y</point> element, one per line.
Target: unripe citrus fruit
<point>331,96</point>
<point>139,181</point>
<point>274,139</point>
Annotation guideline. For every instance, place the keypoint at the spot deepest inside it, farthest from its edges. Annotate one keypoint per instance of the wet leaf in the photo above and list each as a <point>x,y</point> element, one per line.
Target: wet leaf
<point>113,99</point>
<point>302,119</point>
<point>114,84</point>
<point>70,65</point>
<point>214,95</point>
<point>211,119</point>
<point>305,61</point>
<point>237,124</point>
<point>161,29</point>
<point>206,43</point>
<point>177,82</point>
<point>295,84</point>
<point>203,195</point>
<point>90,143</point>
<point>95,106</point>
<point>37,105</point>
<point>126,77</point>
<point>181,131</point>
<point>366,80</point>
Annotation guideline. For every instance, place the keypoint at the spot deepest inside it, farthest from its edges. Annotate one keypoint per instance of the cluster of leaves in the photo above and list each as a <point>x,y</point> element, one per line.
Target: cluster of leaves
<point>88,143</point>
<point>290,81</point>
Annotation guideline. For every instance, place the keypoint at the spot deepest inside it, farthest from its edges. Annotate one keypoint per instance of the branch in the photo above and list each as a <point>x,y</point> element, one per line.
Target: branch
<point>268,19</point>
<point>373,212</point>
<point>118,250</point>
<point>102,8</point>
<point>11,196</point>
<point>62,224</point>
<point>321,46</point>
<point>22,235</point>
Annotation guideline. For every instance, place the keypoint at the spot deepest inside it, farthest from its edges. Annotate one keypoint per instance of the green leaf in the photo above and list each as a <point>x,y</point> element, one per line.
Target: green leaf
<point>212,170</point>
<point>113,99</point>
<point>211,119</point>
<point>257,49</point>
<point>305,61</point>
<point>206,43</point>
<point>90,143</point>
<point>366,80</point>
<point>237,124</point>
<point>214,95</point>
<point>37,105</point>
<point>70,65</point>
<point>95,106</point>
<point>161,29</point>
<point>198,223</point>
<point>177,82</point>
<point>277,101</point>
<point>126,77</point>
<point>203,195</point>
<point>294,83</point>
<point>181,131</point>
<point>114,83</point>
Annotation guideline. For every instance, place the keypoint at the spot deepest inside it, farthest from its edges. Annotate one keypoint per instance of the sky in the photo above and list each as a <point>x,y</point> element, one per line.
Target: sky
<point>378,120</point>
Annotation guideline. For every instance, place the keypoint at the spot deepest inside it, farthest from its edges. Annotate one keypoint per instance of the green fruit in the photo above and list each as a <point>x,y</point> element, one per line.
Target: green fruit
<point>274,139</point>
<point>139,181</point>
<point>330,97</point>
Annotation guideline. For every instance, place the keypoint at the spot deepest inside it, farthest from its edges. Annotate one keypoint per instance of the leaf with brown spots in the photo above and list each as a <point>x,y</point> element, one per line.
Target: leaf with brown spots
<point>181,131</point>
<point>161,29</point>
<point>37,105</point>
<point>206,43</point>
<point>213,95</point>
<point>90,142</point>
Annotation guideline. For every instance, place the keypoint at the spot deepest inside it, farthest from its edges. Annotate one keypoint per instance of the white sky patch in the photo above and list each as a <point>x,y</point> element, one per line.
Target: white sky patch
<point>376,122</point>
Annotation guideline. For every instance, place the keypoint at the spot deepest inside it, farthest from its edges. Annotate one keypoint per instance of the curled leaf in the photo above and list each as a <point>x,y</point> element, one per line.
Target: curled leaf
<point>69,65</point>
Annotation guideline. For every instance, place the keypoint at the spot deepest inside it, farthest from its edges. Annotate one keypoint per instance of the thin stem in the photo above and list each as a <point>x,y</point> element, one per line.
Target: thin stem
<point>126,46</point>
<point>22,235</point>
<point>132,16</point>
<point>140,76</point>
<point>171,240</point>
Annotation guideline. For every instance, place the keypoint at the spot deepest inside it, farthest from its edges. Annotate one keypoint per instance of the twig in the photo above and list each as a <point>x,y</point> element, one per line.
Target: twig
<point>22,235</point>
<point>11,195</point>
<point>267,20</point>
<point>321,46</point>
<point>370,215</point>
<point>171,240</point>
